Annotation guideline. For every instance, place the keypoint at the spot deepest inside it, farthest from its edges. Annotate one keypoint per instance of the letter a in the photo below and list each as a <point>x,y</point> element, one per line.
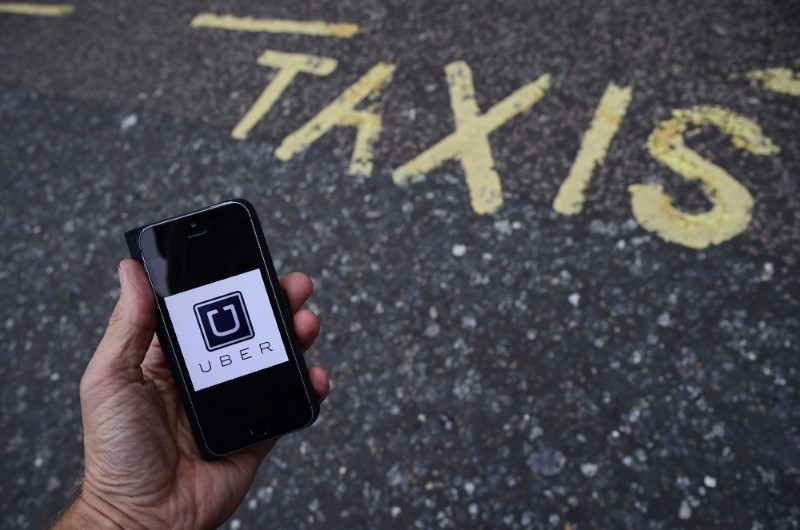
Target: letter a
<point>342,112</point>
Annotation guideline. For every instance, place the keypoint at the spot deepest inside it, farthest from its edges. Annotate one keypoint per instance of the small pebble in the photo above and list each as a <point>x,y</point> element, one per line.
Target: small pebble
<point>126,124</point>
<point>588,469</point>
<point>574,299</point>
<point>685,511</point>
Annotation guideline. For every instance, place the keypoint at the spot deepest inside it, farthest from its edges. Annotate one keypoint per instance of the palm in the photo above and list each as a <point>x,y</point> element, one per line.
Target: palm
<point>151,447</point>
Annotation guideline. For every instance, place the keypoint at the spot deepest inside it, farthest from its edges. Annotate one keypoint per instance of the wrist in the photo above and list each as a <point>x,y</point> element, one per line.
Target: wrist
<point>90,511</point>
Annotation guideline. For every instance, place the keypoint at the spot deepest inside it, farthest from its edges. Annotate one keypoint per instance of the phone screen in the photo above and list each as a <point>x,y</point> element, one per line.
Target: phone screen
<point>223,320</point>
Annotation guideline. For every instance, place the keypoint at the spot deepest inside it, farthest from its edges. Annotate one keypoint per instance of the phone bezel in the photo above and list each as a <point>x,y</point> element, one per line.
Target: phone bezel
<point>235,387</point>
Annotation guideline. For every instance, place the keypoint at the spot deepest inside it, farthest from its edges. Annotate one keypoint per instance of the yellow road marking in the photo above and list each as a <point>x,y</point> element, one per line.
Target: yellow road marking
<point>38,10</point>
<point>609,114</point>
<point>289,65</point>
<point>780,80</point>
<point>342,112</point>
<point>731,202</point>
<point>273,25</point>
<point>469,142</point>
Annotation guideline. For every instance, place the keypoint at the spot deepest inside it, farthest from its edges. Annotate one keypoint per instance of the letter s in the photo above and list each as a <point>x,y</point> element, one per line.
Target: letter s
<point>732,203</point>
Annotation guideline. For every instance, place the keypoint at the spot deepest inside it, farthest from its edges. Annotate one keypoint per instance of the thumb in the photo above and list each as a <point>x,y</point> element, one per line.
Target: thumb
<point>131,327</point>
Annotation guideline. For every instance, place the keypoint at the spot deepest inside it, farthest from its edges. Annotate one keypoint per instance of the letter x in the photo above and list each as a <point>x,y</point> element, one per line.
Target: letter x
<point>469,143</point>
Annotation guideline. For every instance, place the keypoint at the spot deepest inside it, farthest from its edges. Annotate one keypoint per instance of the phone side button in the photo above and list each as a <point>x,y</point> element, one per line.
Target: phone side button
<point>259,426</point>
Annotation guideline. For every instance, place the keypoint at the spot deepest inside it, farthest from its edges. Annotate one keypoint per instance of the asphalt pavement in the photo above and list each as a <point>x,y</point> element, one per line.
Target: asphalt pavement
<point>495,361</point>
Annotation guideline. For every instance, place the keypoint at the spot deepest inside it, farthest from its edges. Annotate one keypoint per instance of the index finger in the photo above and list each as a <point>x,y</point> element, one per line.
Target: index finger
<point>298,289</point>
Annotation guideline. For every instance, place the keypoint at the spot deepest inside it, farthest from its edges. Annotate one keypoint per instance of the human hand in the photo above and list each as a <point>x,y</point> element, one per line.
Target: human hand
<point>142,466</point>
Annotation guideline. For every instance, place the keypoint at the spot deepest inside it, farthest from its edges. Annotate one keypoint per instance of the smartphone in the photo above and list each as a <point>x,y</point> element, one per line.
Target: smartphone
<point>225,327</point>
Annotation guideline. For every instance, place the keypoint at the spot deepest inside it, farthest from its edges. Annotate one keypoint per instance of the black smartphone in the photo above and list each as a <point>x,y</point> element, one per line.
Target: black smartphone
<point>225,327</point>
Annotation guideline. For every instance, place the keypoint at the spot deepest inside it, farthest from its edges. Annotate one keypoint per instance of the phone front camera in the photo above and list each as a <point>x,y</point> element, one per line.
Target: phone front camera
<point>194,225</point>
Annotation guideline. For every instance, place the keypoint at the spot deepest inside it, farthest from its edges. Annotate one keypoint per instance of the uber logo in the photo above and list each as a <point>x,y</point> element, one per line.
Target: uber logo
<point>223,321</point>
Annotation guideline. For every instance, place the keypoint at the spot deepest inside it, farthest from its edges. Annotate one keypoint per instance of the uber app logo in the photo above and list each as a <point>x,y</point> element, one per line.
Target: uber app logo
<point>228,312</point>
<point>224,321</point>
